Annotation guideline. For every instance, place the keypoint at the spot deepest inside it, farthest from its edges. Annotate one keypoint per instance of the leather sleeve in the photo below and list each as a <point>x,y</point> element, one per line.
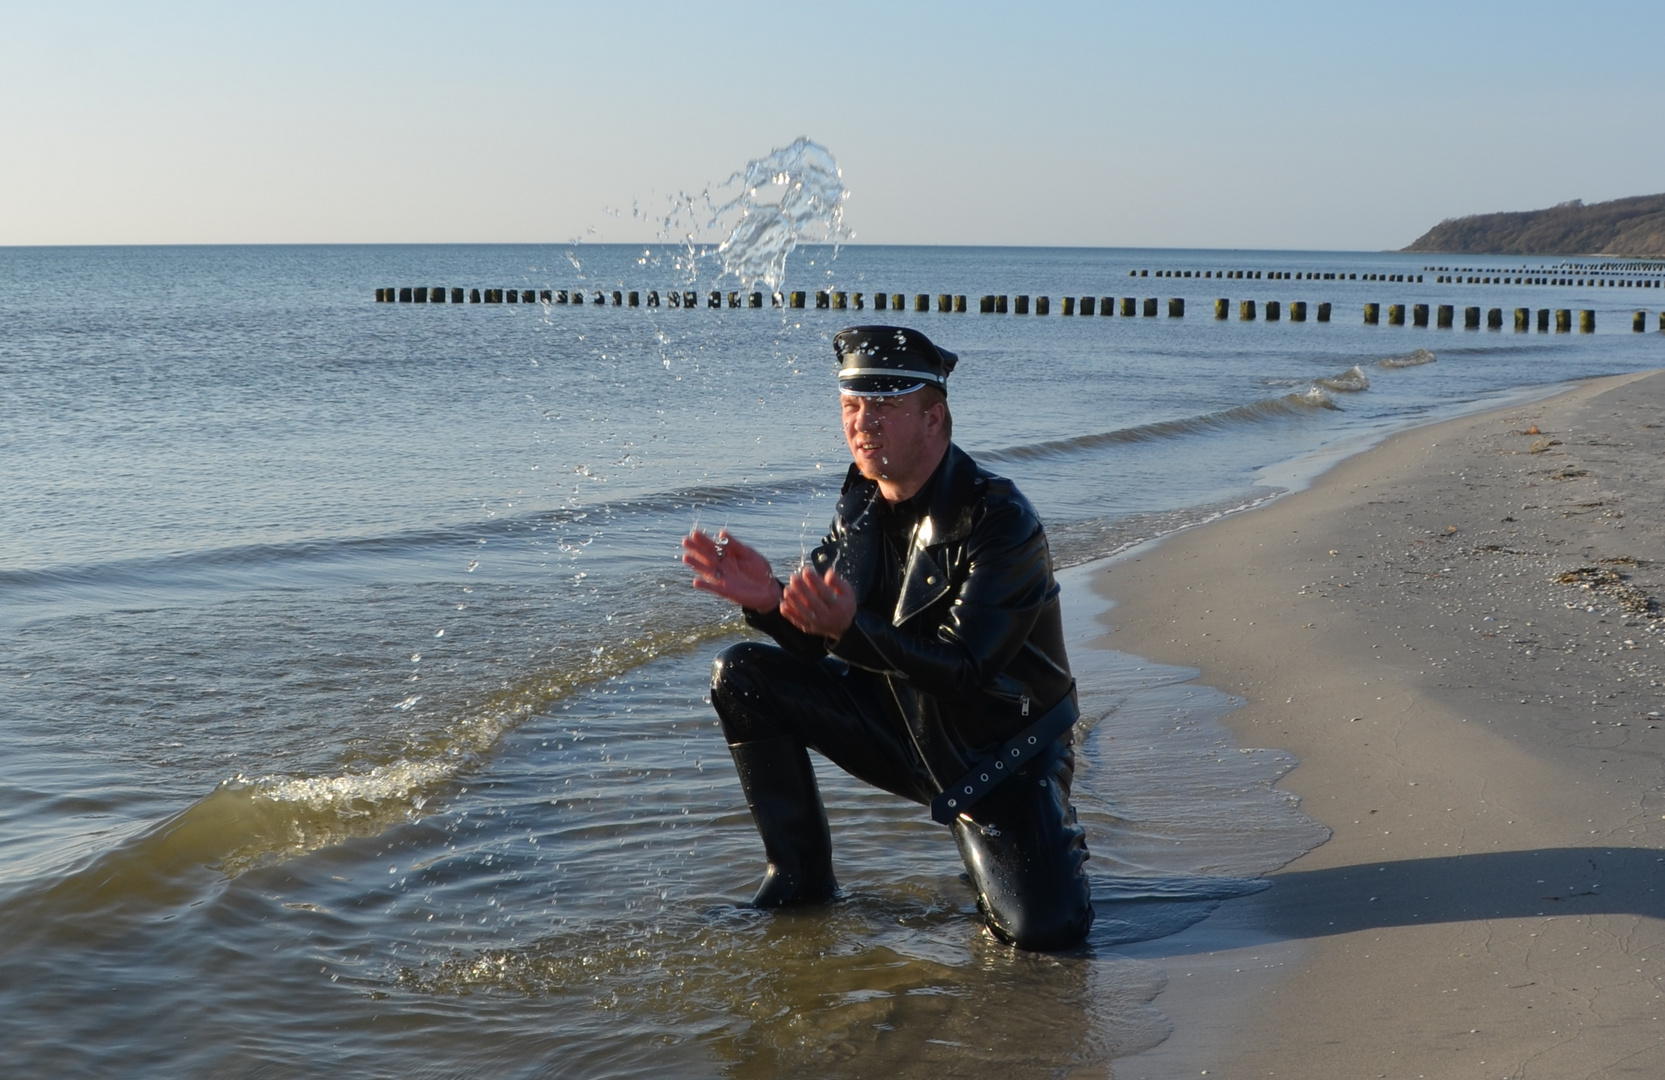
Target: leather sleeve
<point>1007,585</point>
<point>804,646</point>
<point>810,647</point>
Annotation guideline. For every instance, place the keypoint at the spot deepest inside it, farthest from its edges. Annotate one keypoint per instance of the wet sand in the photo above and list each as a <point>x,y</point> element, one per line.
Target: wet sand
<point>1457,632</point>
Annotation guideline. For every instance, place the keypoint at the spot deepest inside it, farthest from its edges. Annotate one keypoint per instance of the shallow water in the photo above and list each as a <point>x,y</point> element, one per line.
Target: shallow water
<point>354,699</point>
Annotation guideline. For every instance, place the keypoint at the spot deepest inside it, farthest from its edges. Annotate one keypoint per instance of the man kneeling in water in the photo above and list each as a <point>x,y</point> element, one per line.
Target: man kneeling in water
<point>920,649</point>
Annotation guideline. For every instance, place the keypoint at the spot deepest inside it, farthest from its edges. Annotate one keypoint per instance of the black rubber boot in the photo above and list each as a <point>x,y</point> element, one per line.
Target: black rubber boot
<point>779,783</point>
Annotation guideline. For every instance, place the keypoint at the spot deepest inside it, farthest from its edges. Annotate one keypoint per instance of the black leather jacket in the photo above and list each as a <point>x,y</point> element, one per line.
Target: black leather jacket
<point>974,651</point>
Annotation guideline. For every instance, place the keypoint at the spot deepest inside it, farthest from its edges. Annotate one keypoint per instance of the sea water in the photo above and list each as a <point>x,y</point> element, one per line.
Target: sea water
<point>355,702</point>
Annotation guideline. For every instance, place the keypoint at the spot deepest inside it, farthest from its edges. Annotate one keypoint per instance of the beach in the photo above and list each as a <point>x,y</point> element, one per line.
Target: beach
<point>1456,632</point>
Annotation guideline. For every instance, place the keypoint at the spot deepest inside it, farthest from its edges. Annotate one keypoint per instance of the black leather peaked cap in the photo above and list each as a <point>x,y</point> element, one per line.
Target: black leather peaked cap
<point>883,360</point>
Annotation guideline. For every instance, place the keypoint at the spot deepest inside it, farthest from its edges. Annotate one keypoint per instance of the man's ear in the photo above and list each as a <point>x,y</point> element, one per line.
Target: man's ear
<point>935,414</point>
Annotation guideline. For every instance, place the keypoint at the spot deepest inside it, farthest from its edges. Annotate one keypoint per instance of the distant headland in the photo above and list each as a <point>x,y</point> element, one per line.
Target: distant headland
<point>1633,226</point>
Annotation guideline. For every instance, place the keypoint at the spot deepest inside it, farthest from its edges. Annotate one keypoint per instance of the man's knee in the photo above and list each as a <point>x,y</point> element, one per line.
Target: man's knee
<point>739,669</point>
<point>739,691</point>
<point>1026,855</point>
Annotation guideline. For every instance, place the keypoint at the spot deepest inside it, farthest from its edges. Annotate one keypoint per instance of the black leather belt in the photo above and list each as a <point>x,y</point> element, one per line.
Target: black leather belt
<point>963,794</point>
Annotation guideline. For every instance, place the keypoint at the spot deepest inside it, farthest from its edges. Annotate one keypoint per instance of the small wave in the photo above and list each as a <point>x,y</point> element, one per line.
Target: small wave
<point>240,557</point>
<point>249,822</point>
<point>1351,381</point>
<point>1129,889</point>
<point>227,563</point>
<point>1277,408</point>
<point>1077,542</point>
<point>403,785</point>
<point>1415,359</point>
<point>682,498</point>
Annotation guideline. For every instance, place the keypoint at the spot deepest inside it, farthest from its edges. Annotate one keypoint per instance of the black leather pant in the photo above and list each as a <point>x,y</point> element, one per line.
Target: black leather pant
<point>1021,844</point>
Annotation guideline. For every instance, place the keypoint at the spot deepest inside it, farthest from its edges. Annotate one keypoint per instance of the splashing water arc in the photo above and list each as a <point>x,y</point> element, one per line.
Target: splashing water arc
<point>761,233</point>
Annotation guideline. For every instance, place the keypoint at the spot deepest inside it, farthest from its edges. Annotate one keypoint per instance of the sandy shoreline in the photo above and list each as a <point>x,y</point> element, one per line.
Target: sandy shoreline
<point>1455,632</point>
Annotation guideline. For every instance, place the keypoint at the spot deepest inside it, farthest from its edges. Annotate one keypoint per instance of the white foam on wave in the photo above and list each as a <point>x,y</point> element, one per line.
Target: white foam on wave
<point>323,810</point>
<point>1415,359</point>
<point>1351,381</point>
<point>399,781</point>
<point>1316,396</point>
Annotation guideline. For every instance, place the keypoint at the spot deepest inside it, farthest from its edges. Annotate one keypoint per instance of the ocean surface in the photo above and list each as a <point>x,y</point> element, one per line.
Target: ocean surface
<point>354,700</point>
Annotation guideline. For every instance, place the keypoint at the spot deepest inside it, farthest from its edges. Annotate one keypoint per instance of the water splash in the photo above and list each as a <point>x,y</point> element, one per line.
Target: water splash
<point>750,223</point>
<point>810,208</point>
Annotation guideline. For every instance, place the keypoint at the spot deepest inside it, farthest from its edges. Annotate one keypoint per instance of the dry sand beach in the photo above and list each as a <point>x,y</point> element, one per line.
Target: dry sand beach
<point>1457,633</point>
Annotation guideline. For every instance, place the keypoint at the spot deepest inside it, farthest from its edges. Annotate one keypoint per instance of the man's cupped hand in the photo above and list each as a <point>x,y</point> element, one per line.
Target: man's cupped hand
<point>730,569</point>
<point>822,604</point>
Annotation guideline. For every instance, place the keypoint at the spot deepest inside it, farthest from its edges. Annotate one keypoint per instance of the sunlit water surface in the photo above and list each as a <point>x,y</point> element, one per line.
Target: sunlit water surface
<point>354,700</point>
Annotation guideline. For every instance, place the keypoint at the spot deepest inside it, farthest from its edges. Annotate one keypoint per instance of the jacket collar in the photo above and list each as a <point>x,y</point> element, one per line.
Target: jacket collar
<point>947,517</point>
<point>946,520</point>
<point>949,506</point>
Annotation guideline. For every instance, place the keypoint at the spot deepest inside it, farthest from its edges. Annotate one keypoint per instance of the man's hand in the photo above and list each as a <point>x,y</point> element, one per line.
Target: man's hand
<point>733,571</point>
<point>823,604</point>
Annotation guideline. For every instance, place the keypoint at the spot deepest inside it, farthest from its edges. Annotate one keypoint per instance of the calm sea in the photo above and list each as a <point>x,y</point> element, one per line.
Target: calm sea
<point>354,700</point>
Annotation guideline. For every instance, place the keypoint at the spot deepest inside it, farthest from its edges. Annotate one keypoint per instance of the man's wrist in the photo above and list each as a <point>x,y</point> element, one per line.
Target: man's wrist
<point>780,591</point>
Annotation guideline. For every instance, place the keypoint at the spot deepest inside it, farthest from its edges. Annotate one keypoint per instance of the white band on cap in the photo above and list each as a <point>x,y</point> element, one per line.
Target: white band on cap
<point>901,373</point>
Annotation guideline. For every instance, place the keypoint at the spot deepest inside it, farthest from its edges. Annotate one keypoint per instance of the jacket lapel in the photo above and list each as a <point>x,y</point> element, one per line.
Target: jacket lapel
<point>947,521</point>
<point>857,550</point>
<point>924,582</point>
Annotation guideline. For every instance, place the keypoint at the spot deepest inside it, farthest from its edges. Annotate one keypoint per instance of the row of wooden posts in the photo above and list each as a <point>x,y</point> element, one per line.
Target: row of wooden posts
<point>833,300</point>
<point>1276,275</point>
<point>1578,282</point>
<point>945,303</point>
<point>1446,317</point>
<point>1606,266</point>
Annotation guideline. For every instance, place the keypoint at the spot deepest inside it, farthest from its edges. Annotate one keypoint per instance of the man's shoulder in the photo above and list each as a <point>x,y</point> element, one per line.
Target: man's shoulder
<point>993,495</point>
<point>989,485</point>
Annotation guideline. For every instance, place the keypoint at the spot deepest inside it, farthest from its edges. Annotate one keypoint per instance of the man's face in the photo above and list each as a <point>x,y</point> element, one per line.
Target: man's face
<point>893,438</point>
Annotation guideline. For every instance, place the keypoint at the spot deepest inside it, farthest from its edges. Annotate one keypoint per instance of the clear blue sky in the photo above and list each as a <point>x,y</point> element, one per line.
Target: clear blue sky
<point>1281,125</point>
